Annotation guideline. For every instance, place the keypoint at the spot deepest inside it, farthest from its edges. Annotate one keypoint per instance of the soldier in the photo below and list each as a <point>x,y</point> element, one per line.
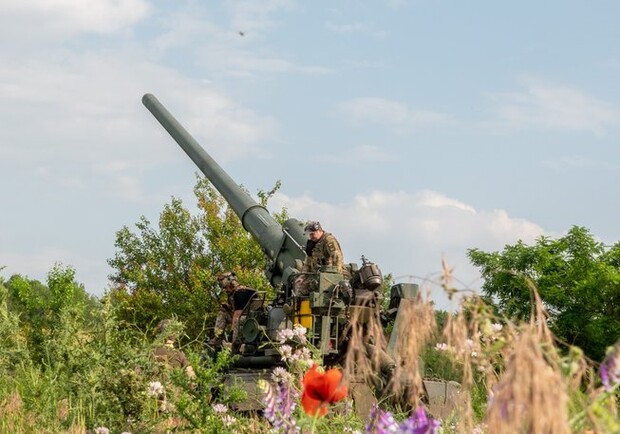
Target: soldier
<point>322,249</point>
<point>166,354</point>
<point>237,297</point>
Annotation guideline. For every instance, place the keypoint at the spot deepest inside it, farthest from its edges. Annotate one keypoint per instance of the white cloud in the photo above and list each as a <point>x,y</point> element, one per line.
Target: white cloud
<point>68,17</point>
<point>580,162</point>
<point>409,233</point>
<point>391,114</point>
<point>88,108</point>
<point>557,107</point>
<point>220,48</point>
<point>345,28</point>
<point>251,16</point>
<point>355,156</point>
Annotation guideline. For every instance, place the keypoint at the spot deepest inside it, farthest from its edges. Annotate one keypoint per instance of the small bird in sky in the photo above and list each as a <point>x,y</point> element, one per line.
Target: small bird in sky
<point>242,33</point>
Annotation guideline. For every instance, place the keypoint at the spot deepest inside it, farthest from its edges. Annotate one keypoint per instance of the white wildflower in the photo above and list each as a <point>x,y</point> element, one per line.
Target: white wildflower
<point>220,408</point>
<point>102,430</point>
<point>286,351</point>
<point>285,335</point>
<point>497,327</point>
<point>300,332</point>
<point>228,420</point>
<point>155,388</point>
<point>281,375</point>
<point>442,346</point>
<point>303,355</point>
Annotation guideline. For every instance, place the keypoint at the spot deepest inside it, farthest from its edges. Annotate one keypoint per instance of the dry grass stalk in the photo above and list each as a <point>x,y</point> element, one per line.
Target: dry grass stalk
<point>456,334</point>
<point>531,395</point>
<point>366,355</point>
<point>414,329</point>
<point>12,413</point>
<point>77,427</point>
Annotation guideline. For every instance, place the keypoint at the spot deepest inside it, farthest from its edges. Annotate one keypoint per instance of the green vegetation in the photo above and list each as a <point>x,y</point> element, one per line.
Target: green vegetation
<point>577,278</point>
<point>172,270</point>
<point>72,363</point>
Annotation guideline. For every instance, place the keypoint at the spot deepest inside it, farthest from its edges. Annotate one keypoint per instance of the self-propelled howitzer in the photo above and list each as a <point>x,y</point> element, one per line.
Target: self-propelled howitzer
<point>334,297</point>
<point>281,243</point>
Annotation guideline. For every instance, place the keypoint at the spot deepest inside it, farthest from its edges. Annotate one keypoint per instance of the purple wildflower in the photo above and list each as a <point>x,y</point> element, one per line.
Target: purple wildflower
<point>419,423</point>
<point>383,422</point>
<point>610,368</point>
<point>280,402</point>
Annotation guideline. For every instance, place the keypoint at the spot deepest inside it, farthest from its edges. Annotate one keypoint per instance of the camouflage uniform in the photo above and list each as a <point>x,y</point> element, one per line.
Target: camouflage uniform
<point>224,316</point>
<point>326,251</point>
<point>235,299</point>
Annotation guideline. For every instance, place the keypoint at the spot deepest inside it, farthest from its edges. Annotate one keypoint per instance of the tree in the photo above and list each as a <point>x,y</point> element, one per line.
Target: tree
<point>43,310</point>
<point>577,277</point>
<point>172,270</point>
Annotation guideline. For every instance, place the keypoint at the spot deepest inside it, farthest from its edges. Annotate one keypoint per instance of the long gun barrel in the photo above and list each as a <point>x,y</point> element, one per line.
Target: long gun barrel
<point>281,243</point>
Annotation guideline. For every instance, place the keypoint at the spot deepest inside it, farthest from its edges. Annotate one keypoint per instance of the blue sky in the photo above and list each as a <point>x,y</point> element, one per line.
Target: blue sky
<point>413,130</point>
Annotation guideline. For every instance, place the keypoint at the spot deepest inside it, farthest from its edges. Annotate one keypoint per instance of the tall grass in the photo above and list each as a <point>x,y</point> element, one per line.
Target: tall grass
<point>79,374</point>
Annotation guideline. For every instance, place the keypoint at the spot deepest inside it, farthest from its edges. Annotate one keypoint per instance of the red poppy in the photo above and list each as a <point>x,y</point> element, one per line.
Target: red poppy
<point>321,390</point>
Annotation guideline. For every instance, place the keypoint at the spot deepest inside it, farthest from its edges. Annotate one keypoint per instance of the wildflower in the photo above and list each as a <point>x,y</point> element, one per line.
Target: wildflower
<point>302,355</point>
<point>419,423</point>
<point>280,402</point>
<point>102,430</point>
<point>300,333</point>
<point>155,388</point>
<point>610,368</point>
<point>285,335</point>
<point>220,408</point>
<point>281,375</point>
<point>228,420</point>
<point>383,422</point>
<point>497,327</point>
<point>321,390</point>
<point>286,351</point>
<point>442,346</point>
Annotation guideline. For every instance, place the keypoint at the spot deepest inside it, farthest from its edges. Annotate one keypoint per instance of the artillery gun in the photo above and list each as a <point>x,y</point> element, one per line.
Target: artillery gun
<point>324,311</point>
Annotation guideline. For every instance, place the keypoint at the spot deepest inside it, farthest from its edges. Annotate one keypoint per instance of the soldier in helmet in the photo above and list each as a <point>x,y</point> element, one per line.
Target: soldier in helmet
<point>166,353</point>
<point>236,298</point>
<point>322,249</point>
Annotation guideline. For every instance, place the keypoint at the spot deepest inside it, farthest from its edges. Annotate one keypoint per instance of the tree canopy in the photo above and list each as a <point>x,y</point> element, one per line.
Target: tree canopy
<point>577,277</point>
<point>171,270</point>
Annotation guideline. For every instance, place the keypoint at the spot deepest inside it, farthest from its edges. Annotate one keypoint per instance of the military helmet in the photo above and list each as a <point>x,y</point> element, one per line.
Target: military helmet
<point>313,226</point>
<point>167,329</point>
<point>226,279</point>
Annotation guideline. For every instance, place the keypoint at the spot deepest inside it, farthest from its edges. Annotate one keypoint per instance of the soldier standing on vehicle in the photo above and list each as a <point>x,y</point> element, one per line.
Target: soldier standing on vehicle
<point>322,249</point>
<point>231,308</point>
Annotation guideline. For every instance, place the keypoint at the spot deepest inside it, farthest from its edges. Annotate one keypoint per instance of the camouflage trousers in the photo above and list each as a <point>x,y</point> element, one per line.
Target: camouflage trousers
<point>222,322</point>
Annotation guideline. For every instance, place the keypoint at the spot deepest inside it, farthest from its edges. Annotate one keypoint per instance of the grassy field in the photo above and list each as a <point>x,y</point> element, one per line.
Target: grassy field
<point>77,370</point>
